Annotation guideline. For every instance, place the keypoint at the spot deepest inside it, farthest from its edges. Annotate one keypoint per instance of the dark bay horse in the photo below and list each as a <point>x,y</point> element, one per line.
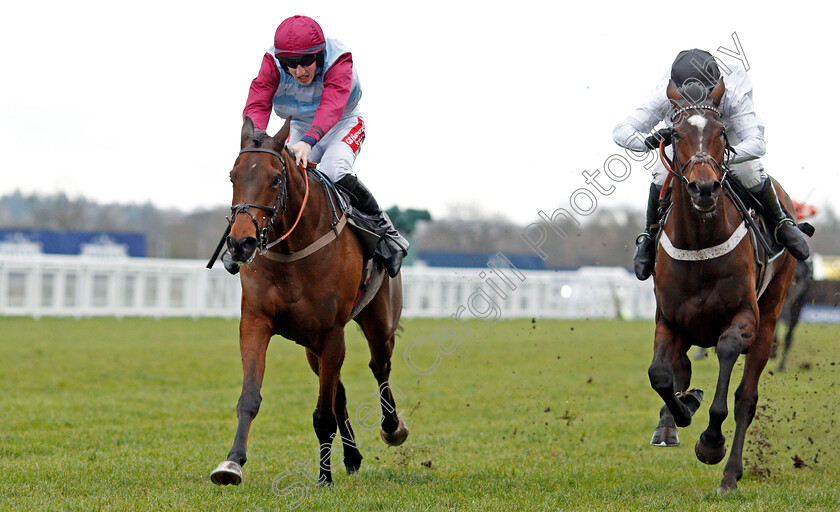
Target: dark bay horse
<point>308,301</point>
<point>705,286</point>
<point>798,295</point>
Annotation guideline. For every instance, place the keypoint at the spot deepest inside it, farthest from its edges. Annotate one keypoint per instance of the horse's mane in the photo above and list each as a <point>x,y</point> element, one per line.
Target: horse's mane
<point>259,139</point>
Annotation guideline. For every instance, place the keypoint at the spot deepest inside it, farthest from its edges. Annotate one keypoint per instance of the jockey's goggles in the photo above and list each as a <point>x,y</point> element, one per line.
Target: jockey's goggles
<point>293,62</point>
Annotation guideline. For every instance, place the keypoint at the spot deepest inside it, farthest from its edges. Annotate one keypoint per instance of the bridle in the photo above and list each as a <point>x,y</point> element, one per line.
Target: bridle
<point>279,205</point>
<point>675,168</point>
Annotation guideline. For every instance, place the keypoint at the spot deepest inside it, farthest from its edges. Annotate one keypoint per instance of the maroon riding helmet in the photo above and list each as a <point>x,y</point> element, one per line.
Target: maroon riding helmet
<point>297,36</point>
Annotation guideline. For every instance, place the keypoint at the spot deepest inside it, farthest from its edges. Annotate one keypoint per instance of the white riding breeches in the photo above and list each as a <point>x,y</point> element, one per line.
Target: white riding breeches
<point>750,174</point>
<point>337,150</point>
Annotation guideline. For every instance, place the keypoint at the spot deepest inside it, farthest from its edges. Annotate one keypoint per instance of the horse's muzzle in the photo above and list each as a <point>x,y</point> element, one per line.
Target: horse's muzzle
<point>704,194</point>
<point>242,250</point>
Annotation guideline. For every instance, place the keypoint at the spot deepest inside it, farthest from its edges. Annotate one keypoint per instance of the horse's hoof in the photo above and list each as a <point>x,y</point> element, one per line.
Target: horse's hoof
<point>324,482</point>
<point>352,466</point>
<point>396,437</point>
<point>709,455</point>
<point>228,472</point>
<point>726,488</point>
<point>665,436</point>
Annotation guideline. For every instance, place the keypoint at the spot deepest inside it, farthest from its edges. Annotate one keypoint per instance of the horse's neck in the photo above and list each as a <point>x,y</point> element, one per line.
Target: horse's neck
<point>691,231</point>
<point>317,214</point>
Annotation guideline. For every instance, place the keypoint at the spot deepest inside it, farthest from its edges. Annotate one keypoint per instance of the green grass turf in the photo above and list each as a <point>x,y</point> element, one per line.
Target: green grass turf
<point>133,414</point>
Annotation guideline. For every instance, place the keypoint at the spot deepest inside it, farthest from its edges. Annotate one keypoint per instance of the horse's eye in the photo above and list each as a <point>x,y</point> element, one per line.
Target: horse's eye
<point>275,182</point>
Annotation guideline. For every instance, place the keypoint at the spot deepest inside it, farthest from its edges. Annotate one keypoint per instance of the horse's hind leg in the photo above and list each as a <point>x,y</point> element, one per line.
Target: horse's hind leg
<point>393,429</point>
<point>352,456</point>
<point>711,447</point>
<point>254,335</point>
<point>379,323</point>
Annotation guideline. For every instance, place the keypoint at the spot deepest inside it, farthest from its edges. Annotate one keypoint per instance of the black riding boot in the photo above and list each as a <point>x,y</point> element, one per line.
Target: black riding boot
<point>645,256</point>
<point>392,248</point>
<point>786,232</point>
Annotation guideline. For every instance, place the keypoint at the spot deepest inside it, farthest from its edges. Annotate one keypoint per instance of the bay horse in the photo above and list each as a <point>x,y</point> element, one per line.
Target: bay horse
<point>278,212</point>
<point>705,286</point>
<point>798,295</point>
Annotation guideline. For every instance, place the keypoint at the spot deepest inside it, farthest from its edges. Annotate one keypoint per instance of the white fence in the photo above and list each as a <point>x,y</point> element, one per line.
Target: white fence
<point>79,286</point>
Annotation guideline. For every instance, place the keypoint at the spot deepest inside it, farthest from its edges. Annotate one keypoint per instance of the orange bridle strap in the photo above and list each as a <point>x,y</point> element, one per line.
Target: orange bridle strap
<point>669,165</point>
<point>303,204</point>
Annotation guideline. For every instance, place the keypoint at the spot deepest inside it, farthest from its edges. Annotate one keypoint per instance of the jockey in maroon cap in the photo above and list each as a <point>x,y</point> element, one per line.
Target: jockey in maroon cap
<point>311,80</point>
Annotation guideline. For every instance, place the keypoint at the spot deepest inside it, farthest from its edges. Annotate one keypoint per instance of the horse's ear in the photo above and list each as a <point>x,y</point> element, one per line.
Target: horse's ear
<point>281,136</point>
<point>288,149</point>
<point>247,132</point>
<point>717,93</point>
<point>673,93</point>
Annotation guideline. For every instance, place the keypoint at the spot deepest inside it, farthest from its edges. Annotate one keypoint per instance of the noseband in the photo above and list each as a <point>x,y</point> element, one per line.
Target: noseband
<point>273,211</point>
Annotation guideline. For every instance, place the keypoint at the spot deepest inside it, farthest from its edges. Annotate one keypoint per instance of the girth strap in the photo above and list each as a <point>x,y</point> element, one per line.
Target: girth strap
<point>311,248</point>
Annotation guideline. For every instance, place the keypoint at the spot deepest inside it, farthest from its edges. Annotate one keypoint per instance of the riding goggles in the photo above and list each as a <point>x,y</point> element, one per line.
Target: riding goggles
<point>293,62</point>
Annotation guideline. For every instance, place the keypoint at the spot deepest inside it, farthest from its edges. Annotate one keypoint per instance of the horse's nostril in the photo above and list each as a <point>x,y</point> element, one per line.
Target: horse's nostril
<point>693,188</point>
<point>249,244</point>
<point>242,246</point>
<point>716,188</point>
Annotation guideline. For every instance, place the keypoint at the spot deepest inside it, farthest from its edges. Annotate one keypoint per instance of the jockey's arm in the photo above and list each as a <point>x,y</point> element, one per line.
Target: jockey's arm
<point>263,88</point>
<point>632,131</point>
<point>749,129</point>
<point>741,118</point>
<point>338,81</point>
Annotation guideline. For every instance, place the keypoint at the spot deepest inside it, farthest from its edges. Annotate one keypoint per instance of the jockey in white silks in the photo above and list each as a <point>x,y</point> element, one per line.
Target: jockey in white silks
<point>744,129</point>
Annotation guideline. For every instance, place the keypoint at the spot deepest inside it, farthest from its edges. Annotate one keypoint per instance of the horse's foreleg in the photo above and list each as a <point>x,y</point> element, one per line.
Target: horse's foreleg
<point>253,342</point>
<point>666,431</point>
<point>324,421</point>
<point>666,356</point>
<point>711,447</point>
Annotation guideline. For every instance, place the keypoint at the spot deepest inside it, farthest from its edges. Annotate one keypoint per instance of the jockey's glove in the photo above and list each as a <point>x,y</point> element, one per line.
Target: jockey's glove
<point>664,134</point>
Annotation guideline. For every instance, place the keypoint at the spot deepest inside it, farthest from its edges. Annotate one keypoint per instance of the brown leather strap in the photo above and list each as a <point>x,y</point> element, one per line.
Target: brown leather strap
<point>311,248</point>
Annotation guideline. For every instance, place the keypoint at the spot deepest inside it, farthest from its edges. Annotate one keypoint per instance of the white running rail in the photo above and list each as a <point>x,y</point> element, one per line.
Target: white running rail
<point>36,285</point>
